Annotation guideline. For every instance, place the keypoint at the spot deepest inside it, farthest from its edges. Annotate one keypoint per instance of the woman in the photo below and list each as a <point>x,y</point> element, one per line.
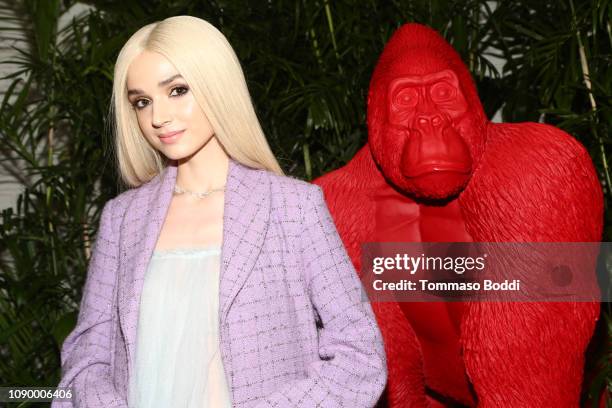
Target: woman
<point>216,281</point>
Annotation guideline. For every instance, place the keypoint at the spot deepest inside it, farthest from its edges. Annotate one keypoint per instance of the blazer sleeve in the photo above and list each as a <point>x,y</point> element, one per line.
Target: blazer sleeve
<point>352,371</point>
<point>86,352</point>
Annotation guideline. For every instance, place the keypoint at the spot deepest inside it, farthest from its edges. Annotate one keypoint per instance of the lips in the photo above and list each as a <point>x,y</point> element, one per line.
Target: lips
<point>435,167</point>
<point>171,137</point>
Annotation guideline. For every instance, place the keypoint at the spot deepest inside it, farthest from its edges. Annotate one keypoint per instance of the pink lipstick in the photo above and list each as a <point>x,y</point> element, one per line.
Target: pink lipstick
<point>171,137</point>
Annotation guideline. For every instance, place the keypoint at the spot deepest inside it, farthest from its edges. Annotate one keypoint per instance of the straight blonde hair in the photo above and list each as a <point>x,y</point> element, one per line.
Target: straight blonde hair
<point>206,60</point>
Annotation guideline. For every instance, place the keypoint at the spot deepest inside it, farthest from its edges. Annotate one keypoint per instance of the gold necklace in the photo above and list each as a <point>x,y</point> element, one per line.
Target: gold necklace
<point>199,194</point>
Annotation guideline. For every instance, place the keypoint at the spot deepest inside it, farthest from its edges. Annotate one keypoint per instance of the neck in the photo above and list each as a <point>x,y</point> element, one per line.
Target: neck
<point>204,170</point>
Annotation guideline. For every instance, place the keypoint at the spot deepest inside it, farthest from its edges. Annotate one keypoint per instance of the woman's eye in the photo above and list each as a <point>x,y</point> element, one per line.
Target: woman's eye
<point>180,90</point>
<point>140,103</point>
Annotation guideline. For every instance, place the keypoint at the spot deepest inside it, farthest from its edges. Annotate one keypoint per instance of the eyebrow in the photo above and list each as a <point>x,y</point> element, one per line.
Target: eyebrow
<point>412,80</point>
<point>160,84</point>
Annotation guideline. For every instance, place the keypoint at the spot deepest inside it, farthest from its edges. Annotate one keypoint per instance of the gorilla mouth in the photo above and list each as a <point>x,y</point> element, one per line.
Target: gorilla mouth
<point>437,167</point>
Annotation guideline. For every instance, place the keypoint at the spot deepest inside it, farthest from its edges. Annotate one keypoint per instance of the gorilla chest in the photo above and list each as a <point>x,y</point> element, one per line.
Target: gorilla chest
<point>398,218</point>
<point>437,325</point>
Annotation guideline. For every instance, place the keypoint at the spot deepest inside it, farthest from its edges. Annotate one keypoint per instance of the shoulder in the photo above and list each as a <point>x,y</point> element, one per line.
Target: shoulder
<point>289,185</point>
<point>120,203</point>
<point>534,172</point>
<point>117,207</point>
<point>114,208</point>
<point>537,163</point>
<point>293,199</point>
<point>122,200</point>
<point>540,152</point>
<point>536,141</point>
<point>280,186</point>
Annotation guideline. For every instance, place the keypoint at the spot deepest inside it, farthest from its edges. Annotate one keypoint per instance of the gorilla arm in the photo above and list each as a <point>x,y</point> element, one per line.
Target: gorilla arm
<point>535,184</point>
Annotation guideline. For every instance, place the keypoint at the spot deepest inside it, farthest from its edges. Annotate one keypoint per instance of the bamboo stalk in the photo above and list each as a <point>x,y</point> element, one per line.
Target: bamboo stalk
<point>330,24</point>
<point>52,232</point>
<point>307,163</point>
<point>315,46</point>
<point>586,78</point>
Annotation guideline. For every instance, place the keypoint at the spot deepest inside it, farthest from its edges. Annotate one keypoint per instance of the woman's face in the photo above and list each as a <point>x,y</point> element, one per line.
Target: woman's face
<point>168,114</point>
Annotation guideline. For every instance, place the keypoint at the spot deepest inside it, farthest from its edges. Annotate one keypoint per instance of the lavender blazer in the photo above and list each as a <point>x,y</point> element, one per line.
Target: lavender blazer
<point>294,331</point>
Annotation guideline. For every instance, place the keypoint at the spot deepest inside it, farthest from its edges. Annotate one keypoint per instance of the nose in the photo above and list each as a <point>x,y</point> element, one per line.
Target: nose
<point>429,121</point>
<point>161,115</point>
<point>427,116</point>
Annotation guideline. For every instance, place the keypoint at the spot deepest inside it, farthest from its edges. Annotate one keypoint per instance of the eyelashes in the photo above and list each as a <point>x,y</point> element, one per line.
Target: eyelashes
<point>183,87</point>
<point>136,104</point>
<point>142,103</point>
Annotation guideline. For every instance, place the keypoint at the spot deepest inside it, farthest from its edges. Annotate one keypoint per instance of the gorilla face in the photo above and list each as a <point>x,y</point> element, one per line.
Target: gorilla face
<point>426,126</point>
<point>423,127</point>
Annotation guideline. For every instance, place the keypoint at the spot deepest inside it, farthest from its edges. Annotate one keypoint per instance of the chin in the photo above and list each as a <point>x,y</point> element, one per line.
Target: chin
<point>436,186</point>
<point>176,152</point>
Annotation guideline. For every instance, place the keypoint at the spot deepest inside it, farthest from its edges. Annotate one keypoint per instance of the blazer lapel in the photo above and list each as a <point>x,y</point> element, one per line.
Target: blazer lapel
<point>245,223</point>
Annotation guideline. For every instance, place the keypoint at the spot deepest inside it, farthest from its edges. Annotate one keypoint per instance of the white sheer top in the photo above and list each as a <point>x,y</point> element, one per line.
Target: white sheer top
<point>178,361</point>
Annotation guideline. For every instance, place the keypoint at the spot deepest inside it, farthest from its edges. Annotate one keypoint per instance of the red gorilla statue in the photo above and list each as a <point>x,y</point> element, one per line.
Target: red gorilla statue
<point>435,169</point>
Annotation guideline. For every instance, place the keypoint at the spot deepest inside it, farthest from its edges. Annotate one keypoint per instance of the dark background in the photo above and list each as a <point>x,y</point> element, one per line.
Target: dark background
<point>308,65</point>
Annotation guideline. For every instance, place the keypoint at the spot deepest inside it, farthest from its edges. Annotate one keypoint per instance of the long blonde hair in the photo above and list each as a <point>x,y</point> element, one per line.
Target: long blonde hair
<point>206,60</point>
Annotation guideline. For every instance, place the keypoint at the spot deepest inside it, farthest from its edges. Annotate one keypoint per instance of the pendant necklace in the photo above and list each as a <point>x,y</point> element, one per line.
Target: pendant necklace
<point>199,194</point>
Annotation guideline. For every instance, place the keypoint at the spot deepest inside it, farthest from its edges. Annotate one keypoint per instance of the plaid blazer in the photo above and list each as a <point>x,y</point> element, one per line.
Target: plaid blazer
<point>294,330</point>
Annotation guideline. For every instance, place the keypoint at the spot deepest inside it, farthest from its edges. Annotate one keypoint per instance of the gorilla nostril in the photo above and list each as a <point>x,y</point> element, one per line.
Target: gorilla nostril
<point>423,121</point>
<point>437,121</point>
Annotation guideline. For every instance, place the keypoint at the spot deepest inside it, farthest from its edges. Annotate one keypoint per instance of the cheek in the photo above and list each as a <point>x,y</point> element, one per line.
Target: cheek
<point>401,117</point>
<point>144,123</point>
<point>385,136</point>
<point>392,142</point>
<point>395,137</point>
<point>190,112</point>
<point>185,109</point>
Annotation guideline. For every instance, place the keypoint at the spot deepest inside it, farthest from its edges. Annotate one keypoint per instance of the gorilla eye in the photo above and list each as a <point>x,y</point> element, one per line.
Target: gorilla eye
<point>407,97</point>
<point>442,92</point>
